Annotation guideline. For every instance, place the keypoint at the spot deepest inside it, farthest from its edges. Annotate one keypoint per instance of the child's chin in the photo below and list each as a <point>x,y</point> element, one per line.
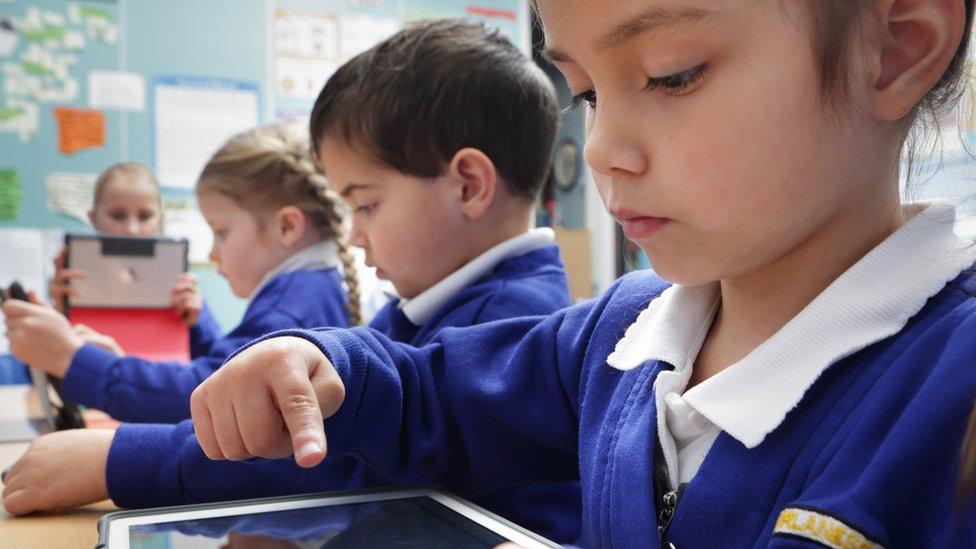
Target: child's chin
<point>681,274</point>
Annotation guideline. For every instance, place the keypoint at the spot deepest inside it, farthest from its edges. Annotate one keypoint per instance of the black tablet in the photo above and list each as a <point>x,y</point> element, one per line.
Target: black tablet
<point>409,517</point>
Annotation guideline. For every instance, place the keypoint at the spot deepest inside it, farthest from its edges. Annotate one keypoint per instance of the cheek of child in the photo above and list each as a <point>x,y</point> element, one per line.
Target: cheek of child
<point>64,469</point>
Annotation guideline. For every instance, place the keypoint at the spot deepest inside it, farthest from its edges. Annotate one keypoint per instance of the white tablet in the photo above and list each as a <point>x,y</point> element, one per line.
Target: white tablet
<point>409,517</point>
<point>125,272</point>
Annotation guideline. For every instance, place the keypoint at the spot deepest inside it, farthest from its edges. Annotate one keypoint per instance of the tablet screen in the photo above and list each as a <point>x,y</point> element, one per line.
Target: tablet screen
<point>400,522</point>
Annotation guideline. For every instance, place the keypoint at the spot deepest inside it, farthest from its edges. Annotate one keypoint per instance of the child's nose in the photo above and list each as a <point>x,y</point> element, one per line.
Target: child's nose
<point>357,236</point>
<point>612,145</point>
<point>132,227</point>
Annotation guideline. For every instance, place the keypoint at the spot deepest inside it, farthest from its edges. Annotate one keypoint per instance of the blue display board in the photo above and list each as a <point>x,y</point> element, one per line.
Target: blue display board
<point>52,46</point>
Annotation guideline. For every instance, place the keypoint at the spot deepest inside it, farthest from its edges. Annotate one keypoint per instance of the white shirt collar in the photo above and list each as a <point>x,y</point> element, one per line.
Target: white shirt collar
<point>315,257</point>
<point>420,308</point>
<point>871,301</point>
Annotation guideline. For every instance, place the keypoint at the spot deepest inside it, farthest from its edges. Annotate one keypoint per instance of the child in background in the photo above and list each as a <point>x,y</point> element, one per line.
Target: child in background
<point>802,375</point>
<point>127,202</point>
<point>444,213</point>
<point>277,239</point>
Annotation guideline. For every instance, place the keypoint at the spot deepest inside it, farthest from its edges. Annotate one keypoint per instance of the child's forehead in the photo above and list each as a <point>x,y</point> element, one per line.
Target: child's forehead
<point>582,26</point>
<point>129,189</point>
<point>126,182</point>
<point>354,166</point>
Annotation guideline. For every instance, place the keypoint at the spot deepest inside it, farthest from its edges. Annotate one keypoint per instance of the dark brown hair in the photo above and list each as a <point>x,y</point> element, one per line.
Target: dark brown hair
<point>436,87</point>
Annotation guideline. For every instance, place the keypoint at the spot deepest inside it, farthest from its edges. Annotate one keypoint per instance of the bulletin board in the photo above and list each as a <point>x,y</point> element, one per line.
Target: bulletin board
<point>82,86</point>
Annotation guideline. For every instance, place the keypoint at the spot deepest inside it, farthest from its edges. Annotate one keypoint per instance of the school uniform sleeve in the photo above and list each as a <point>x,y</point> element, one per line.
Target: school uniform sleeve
<point>204,334</point>
<point>504,414</point>
<point>133,389</point>
<point>406,413</point>
<point>504,395</point>
<point>159,465</point>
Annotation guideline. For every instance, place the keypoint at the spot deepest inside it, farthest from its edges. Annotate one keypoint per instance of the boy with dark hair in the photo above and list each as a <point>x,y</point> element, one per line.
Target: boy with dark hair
<point>439,139</point>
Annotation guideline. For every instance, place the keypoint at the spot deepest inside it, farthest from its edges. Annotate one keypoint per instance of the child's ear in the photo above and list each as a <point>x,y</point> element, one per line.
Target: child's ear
<point>476,181</point>
<point>917,40</point>
<point>91,217</point>
<point>289,225</point>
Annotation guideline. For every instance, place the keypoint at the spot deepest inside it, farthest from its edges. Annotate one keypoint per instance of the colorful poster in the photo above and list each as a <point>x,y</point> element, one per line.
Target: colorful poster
<point>79,129</point>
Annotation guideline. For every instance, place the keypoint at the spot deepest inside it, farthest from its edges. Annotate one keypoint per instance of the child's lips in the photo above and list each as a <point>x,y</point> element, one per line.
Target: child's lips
<point>637,225</point>
<point>643,227</point>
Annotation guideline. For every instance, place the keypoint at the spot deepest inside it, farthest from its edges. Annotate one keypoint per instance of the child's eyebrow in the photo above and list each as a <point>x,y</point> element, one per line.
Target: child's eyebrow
<point>646,21</point>
<point>353,187</point>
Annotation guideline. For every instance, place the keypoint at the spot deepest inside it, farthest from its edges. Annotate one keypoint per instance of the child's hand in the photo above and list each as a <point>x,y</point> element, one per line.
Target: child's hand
<point>88,335</point>
<point>40,336</point>
<point>60,286</point>
<point>268,402</point>
<point>186,299</point>
<point>64,469</point>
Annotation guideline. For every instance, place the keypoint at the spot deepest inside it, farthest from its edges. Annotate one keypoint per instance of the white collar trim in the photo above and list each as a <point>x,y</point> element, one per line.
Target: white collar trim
<point>315,257</point>
<point>420,308</point>
<point>871,301</point>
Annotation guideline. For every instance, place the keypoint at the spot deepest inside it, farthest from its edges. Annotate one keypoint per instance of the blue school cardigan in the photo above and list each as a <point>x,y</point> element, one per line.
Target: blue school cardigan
<point>169,459</point>
<point>137,390</point>
<point>869,456</point>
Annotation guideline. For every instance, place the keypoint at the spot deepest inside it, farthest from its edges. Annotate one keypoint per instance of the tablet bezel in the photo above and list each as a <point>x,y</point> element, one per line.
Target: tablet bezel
<point>162,302</point>
<point>114,527</point>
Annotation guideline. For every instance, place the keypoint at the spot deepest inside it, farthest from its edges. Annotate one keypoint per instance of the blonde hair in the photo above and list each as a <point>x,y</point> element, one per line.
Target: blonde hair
<point>269,167</point>
<point>133,170</point>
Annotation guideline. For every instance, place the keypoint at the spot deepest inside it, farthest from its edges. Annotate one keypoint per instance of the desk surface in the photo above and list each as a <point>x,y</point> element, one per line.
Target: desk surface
<point>68,529</point>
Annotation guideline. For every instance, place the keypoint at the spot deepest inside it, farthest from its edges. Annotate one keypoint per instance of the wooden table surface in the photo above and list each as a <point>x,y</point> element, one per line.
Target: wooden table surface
<point>66,529</point>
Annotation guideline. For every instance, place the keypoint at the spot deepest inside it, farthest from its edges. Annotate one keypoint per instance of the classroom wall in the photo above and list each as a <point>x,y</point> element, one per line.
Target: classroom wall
<point>224,40</point>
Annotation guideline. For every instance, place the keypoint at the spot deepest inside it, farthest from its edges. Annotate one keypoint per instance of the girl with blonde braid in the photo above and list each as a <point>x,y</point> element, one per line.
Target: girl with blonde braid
<point>278,240</point>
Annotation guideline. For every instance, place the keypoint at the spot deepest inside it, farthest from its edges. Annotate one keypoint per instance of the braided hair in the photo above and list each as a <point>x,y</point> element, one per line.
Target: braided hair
<point>269,167</point>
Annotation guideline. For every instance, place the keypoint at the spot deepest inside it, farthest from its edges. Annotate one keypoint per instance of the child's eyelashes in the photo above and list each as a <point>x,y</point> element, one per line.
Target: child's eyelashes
<point>678,83</point>
<point>365,209</point>
<point>672,85</point>
<point>588,97</point>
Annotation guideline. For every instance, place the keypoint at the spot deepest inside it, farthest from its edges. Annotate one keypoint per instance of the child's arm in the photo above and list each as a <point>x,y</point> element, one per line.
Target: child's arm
<point>488,405</point>
<point>133,389</point>
<point>204,334</point>
<point>128,388</point>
